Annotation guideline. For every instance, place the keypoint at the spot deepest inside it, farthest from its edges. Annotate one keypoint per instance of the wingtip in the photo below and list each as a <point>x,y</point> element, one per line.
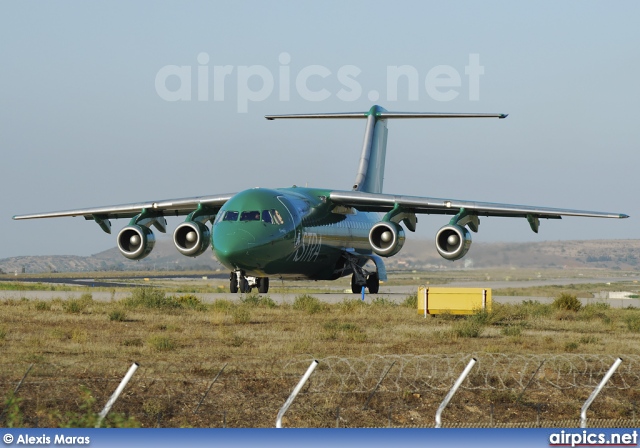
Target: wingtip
<point>503,116</point>
<point>623,216</point>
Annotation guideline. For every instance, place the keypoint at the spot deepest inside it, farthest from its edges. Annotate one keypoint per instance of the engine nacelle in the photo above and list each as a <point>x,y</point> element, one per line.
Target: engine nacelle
<point>136,242</point>
<point>192,238</point>
<point>453,242</point>
<point>386,238</point>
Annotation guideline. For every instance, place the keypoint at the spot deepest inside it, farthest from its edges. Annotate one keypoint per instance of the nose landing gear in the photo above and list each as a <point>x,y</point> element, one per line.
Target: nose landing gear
<point>238,281</point>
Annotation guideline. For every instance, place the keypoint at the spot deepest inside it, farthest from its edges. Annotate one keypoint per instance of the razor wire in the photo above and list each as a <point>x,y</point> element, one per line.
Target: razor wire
<point>493,371</point>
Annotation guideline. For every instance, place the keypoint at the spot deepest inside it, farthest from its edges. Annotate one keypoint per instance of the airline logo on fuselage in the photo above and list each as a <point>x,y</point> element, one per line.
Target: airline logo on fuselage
<point>308,246</point>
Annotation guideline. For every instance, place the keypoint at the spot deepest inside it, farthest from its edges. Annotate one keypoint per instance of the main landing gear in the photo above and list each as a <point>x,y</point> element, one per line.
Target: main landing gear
<point>240,282</point>
<point>372,282</point>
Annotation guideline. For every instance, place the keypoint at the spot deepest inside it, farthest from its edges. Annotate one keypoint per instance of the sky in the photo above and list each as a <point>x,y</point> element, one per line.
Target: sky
<point>104,103</point>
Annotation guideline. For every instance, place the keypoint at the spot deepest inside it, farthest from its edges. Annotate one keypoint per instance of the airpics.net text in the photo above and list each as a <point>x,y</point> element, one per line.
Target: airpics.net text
<point>255,83</point>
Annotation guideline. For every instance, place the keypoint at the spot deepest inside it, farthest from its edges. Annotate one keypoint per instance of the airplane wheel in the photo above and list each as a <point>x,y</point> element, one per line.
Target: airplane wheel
<point>263,285</point>
<point>233,283</point>
<point>373,283</point>
<point>244,285</point>
<point>355,288</point>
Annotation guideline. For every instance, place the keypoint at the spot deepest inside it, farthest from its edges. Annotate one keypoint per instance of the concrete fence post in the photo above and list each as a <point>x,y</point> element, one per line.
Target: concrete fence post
<point>594,394</point>
<point>295,392</point>
<point>117,393</point>
<point>453,390</point>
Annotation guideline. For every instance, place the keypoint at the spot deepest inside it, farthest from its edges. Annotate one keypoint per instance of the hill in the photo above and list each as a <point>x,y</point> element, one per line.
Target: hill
<point>164,257</point>
<point>610,254</point>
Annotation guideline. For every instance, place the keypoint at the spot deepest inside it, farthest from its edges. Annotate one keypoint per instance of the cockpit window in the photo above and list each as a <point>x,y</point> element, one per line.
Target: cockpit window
<point>272,217</point>
<point>277,219</point>
<point>250,216</point>
<point>230,216</point>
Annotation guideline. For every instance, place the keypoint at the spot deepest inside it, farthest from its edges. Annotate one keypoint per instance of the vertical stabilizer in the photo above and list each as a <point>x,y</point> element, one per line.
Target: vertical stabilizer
<point>374,149</point>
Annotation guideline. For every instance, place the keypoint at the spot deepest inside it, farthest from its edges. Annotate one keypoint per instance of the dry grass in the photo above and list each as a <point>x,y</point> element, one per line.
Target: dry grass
<point>182,344</point>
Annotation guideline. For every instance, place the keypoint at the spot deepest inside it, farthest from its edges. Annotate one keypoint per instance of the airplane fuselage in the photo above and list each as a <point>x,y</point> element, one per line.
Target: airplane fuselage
<point>311,233</point>
<point>288,233</point>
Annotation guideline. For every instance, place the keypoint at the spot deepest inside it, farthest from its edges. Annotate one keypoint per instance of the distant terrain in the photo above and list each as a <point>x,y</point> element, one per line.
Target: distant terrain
<point>609,254</point>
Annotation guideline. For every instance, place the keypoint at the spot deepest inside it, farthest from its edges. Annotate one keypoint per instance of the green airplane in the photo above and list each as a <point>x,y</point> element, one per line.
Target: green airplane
<point>311,233</point>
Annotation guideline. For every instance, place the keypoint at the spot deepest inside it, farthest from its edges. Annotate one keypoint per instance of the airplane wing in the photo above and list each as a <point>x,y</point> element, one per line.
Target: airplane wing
<point>374,202</point>
<point>165,207</point>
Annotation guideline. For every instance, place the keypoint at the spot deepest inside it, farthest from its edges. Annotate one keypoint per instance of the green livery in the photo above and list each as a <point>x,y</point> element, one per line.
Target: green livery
<point>311,233</point>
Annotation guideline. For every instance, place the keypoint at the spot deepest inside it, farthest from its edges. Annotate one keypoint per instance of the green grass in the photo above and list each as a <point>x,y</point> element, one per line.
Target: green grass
<point>182,343</point>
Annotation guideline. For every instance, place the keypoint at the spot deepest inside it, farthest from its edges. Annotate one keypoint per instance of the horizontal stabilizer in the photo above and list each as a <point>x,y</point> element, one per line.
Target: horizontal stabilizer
<point>386,114</point>
<point>374,148</point>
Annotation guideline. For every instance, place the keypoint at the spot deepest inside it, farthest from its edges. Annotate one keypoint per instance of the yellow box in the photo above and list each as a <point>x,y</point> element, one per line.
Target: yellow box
<point>453,300</point>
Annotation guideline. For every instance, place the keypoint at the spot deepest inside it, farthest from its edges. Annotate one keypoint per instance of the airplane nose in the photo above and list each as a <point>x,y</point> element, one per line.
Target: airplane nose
<point>231,248</point>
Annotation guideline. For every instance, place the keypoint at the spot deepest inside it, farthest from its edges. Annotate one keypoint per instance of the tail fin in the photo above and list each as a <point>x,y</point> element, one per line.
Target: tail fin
<point>374,151</point>
<point>371,169</point>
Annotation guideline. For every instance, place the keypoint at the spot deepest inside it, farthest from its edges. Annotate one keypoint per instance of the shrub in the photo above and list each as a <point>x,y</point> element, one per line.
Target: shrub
<point>512,330</point>
<point>79,336</point>
<point>230,338</point>
<point>117,316</point>
<point>345,330</point>
<point>381,301</point>
<point>222,305</point>
<point>567,302</point>
<point>87,418</point>
<point>241,315</point>
<point>481,317</point>
<point>589,340</point>
<point>571,346</point>
<point>74,306</point>
<point>41,305</point>
<point>468,329</point>
<point>633,323</point>
<point>150,298</point>
<point>411,301</point>
<point>162,343</point>
<point>136,342</point>
<point>350,305</point>
<point>258,300</point>
<point>190,301</point>
<point>308,303</point>
<point>14,417</point>
<point>534,308</point>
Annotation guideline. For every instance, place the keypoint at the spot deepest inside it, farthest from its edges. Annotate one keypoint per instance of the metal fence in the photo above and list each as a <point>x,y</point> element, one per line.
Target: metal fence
<point>502,390</point>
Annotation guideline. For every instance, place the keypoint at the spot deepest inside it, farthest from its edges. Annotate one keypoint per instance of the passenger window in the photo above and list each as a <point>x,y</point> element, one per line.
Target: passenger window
<point>250,216</point>
<point>230,216</point>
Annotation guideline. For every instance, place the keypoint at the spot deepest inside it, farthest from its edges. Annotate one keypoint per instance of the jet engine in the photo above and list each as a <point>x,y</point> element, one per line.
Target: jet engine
<point>386,238</point>
<point>136,242</point>
<point>453,242</point>
<point>191,238</point>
